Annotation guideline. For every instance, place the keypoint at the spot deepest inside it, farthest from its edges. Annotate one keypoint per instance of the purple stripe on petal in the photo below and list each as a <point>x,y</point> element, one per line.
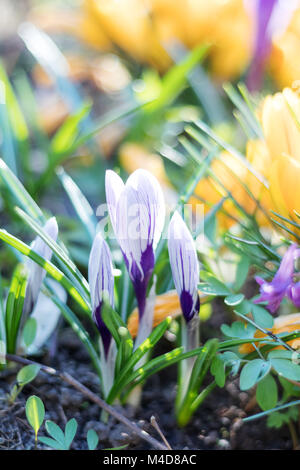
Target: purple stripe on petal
<point>184,265</point>
<point>101,282</point>
<point>103,330</point>
<point>140,276</point>
<point>189,306</point>
<point>137,217</point>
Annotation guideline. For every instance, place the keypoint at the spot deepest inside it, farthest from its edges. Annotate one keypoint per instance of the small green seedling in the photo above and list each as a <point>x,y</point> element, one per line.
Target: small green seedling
<point>25,375</point>
<point>60,440</point>
<point>35,413</point>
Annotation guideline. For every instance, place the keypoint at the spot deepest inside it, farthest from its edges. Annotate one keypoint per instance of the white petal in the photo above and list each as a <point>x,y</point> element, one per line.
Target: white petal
<point>114,187</point>
<point>46,314</point>
<point>140,215</point>
<point>100,272</point>
<point>183,256</point>
<point>37,273</point>
<point>150,197</point>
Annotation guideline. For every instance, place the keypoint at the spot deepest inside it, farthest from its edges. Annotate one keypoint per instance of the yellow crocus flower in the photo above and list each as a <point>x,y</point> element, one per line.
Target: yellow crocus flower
<point>143,29</point>
<point>280,119</point>
<point>284,63</point>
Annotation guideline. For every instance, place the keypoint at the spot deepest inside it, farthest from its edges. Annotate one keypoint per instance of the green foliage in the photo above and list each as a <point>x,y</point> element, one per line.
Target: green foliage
<point>278,419</point>
<point>267,393</point>
<point>29,331</point>
<point>92,439</point>
<point>14,306</point>
<point>213,286</point>
<point>60,440</point>
<point>35,413</point>
<point>253,372</point>
<point>189,397</point>
<point>27,374</point>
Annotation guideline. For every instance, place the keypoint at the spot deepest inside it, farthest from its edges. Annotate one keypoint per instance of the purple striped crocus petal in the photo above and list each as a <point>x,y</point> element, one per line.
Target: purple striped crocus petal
<point>101,281</point>
<point>36,273</point>
<point>273,292</point>
<point>138,223</point>
<point>262,45</point>
<point>184,265</point>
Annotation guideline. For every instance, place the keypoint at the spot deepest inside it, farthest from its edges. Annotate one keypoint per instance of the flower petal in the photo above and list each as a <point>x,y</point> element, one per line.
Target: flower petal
<point>184,265</point>
<point>114,187</point>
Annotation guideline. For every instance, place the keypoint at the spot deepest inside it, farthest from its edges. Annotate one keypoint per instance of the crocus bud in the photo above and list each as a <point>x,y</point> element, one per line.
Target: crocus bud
<point>101,280</point>
<point>273,292</point>
<point>137,213</point>
<point>184,265</point>
<point>36,273</point>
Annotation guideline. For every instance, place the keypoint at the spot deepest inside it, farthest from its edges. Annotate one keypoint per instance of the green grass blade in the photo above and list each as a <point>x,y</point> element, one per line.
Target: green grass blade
<point>19,192</point>
<point>14,307</point>
<point>80,203</point>
<point>243,106</point>
<point>61,254</point>
<point>77,327</point>
<point>176,77</point>
<point>143,349</point>
<point>49,267</point>
<point>231,150</point>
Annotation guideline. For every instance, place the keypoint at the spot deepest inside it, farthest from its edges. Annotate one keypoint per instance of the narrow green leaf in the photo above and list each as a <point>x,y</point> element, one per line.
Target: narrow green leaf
<point>19,192</point>
<point>175,79</point>
<point>68,131</point>
<point>61,253</point>
<point>218,371</point>
<point>14,306</point>
<point>48,266</point>
<point>77,327</point>
<point>80,203</point>
<point>143,349</point>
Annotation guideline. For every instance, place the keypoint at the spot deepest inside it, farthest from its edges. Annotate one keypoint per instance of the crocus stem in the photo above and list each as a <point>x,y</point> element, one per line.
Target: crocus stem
<point>145,328</point>
<point>107,367</point>
<point>189,341</point>
<point>190,406</point>
<point>146,321</point>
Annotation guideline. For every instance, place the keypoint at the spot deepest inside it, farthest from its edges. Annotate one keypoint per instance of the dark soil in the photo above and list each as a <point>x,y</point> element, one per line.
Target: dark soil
<point>216,425</point>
